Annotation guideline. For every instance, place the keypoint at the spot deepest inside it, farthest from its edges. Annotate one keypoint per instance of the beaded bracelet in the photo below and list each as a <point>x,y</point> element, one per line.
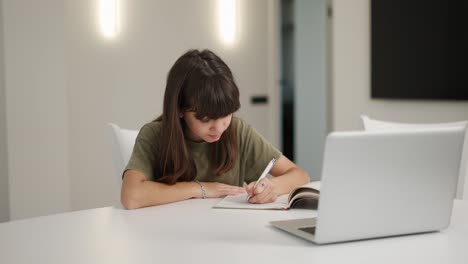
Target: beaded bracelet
<point>202,189</point>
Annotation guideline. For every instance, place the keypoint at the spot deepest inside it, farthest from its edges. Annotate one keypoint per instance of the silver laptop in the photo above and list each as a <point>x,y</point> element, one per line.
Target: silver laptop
<point>379,184</point>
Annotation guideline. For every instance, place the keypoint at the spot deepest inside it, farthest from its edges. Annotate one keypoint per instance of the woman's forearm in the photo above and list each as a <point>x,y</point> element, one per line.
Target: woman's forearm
<point>290,179</point>
<point>138,192</point>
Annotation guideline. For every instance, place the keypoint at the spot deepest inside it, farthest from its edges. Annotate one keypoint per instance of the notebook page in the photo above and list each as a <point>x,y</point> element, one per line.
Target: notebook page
<point>240,202</point>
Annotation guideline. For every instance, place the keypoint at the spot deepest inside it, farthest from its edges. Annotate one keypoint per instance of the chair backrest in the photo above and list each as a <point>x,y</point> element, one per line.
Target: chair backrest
<point>379,125</point>
<point>123,141</point>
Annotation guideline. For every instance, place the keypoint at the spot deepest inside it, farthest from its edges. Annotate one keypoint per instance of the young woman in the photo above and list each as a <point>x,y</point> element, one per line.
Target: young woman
<point>197,148</point>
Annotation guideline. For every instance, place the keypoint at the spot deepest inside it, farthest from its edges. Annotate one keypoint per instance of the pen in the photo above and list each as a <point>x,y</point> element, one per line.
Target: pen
<point>264,173</point>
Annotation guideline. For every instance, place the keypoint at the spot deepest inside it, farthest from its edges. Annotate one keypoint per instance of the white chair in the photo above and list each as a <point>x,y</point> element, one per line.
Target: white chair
<point>379,125</point>
<point>123,141</point>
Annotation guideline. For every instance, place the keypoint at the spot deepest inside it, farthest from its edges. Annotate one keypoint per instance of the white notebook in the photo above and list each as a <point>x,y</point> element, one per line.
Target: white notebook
<point>305,196</point>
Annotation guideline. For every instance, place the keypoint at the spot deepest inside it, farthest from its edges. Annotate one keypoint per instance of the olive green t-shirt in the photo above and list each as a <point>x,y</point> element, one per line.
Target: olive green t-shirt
<point>254,154</point>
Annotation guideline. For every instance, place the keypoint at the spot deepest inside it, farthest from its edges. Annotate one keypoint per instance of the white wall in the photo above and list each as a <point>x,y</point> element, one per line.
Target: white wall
<point>64,82</point>
<point>36,107</point>
<point>351,78</point>
<point>4,197</point>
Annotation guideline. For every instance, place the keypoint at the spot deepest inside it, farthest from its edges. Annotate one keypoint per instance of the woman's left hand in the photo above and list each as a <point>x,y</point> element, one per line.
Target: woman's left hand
<point>264,192</point>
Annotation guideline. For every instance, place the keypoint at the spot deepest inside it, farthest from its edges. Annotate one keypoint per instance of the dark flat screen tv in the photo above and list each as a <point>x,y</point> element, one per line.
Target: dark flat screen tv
<point>419,49</point>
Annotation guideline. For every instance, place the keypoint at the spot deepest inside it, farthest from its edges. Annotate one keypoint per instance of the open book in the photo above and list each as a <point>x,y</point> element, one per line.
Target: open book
<point>305,196</point>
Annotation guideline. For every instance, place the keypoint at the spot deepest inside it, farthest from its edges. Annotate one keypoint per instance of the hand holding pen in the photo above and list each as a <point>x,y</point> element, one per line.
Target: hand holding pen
<point>263,190</point>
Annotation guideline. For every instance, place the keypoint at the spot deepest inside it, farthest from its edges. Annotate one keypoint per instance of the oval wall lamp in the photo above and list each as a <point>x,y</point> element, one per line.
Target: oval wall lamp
<point>227,20</point>
<point>108,17</point>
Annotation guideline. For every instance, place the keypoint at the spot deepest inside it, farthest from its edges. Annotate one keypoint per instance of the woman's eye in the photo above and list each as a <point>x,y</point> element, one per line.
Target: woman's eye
<point>205,120</point>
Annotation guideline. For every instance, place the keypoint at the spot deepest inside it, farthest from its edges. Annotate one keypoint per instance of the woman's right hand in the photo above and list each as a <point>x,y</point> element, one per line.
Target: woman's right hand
<point>217,190</point>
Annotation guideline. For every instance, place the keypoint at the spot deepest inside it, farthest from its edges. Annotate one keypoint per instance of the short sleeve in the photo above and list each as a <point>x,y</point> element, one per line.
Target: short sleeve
<point>254,150</point>
<point>145,152</point>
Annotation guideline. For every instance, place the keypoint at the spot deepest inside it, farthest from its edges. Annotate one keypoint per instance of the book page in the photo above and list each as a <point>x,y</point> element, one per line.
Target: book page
<point>241,202</point>
<point>307,195</point>
<point>311,187</point>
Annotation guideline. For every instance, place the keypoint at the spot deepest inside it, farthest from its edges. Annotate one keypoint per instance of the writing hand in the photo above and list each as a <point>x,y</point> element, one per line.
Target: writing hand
<point>264,192</point>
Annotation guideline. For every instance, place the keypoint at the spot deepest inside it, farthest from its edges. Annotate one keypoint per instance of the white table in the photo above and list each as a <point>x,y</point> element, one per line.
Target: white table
<point>193,232</point>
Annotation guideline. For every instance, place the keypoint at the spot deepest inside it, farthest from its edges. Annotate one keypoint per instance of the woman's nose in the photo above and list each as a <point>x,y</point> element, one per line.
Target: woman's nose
<point>218,125</point>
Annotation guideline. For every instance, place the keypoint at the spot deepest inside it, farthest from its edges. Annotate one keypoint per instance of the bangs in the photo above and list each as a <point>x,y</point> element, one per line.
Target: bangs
<point>212,97</point>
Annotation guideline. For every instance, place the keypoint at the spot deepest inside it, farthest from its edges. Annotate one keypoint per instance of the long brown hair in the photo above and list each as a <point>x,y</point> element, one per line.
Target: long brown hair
<point>199,81</point>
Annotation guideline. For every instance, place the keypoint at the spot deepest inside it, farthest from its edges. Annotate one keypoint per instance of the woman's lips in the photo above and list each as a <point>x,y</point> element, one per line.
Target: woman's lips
<point>214,136</point>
